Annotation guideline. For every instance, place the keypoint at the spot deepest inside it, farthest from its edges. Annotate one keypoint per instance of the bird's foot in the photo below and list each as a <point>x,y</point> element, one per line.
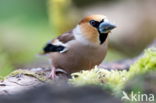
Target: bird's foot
<point>52,75</point>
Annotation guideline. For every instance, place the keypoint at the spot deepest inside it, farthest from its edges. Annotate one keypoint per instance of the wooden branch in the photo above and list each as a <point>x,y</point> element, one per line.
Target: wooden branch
<point>21,80</point>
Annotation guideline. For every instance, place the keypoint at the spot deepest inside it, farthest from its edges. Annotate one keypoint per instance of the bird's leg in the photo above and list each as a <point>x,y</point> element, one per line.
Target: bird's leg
<point>52,74</point>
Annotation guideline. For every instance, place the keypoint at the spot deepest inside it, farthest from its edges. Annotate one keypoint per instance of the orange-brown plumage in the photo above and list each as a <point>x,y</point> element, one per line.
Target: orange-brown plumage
<point>89,31</point>
<point>92,17</point>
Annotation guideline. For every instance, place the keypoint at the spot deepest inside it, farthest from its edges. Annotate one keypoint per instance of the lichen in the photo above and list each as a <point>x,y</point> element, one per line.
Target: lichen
<point>29,73</point>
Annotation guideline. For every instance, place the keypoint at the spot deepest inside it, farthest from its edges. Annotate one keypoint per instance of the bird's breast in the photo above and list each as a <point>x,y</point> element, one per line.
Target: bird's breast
<point>79,57</point>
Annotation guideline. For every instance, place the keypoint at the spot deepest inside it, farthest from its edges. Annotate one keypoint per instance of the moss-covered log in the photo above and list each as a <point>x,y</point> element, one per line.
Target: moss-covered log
<point>21,80</point>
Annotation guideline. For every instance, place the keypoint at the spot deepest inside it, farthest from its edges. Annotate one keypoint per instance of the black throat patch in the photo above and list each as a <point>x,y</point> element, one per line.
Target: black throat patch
<point>102,37</point>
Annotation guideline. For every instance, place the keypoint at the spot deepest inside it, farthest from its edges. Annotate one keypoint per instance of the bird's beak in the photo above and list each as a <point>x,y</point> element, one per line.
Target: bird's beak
<point>106,27</point>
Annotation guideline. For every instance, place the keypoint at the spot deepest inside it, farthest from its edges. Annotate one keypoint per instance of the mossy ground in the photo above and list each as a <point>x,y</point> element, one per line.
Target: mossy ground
<point>116,80</point>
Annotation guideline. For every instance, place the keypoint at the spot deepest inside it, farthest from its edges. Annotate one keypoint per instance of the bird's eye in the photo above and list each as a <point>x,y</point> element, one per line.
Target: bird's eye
<point>94,23</point>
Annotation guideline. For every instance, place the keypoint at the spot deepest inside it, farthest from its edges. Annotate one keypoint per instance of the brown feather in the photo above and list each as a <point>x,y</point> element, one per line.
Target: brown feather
<point>79,57</point>
<point>64,38</point>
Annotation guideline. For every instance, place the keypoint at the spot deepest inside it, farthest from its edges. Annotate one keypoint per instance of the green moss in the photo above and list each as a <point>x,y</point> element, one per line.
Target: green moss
<point>144,64</point>
<point>116,79</point>
<point>111,79</point>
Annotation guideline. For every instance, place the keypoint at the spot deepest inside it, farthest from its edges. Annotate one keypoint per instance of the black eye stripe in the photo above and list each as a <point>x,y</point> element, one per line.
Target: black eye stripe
<point>94,23</point>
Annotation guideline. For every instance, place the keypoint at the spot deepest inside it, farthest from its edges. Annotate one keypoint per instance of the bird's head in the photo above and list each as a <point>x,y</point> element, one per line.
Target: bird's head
<point>95,28</point>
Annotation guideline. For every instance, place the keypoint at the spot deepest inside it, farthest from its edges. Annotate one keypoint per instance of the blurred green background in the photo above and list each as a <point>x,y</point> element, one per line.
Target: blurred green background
<point>26,25</point>
<point>24,29</point>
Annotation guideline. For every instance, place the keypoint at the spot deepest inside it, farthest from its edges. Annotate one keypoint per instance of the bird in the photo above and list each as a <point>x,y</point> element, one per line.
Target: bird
<point>82,48</point>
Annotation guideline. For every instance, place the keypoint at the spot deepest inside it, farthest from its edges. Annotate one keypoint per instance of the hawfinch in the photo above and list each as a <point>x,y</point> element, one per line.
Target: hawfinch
<point>82,48</point>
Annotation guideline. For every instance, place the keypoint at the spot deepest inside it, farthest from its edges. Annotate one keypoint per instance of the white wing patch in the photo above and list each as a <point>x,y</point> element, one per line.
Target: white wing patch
<point>64,50</point>
<point>58,42</point>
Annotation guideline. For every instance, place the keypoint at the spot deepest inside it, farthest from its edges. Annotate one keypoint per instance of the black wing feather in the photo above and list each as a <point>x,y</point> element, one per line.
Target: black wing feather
<point>64,38</point>
<point>53,48</point>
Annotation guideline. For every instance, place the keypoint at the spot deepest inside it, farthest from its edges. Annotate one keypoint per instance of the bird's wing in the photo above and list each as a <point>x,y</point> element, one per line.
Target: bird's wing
<point>59,44</point>
<point>66,37</point>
